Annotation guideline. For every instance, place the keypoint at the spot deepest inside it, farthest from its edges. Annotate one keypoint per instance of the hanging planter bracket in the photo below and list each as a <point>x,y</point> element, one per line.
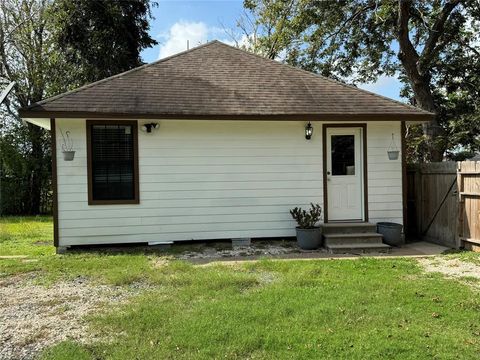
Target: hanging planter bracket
<point>67,146</point>
<point>393,151</point>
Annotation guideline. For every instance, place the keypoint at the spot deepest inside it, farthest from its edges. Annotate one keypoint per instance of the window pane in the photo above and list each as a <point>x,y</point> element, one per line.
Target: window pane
<point>112,162</point>
<point>343,154</point>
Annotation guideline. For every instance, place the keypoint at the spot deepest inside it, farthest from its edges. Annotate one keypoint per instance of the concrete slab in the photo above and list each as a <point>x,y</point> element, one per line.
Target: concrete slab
<point>418,249</point>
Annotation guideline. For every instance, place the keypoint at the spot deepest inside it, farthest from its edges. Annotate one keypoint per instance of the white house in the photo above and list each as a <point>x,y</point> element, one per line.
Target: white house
<point>211,144</point>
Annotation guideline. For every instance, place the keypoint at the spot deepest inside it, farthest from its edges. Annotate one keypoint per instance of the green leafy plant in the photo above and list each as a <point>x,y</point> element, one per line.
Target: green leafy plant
<point>307,219</point>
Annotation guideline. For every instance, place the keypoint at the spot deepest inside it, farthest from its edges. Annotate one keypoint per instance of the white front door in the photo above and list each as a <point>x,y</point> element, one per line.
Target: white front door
<point>344,172</point>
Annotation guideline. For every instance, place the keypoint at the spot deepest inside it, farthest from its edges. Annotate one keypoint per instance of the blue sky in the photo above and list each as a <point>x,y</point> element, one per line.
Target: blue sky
<point>198,21</point>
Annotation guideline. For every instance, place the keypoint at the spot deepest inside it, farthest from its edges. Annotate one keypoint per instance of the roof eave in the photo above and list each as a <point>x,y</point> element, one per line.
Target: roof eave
<point>410,117</point>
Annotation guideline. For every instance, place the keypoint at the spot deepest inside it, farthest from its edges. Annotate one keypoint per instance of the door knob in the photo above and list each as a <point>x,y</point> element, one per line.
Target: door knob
<point>328,172</point>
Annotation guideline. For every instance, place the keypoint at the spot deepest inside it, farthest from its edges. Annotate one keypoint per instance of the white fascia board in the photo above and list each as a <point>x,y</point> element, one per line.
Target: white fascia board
<point>43,123</point>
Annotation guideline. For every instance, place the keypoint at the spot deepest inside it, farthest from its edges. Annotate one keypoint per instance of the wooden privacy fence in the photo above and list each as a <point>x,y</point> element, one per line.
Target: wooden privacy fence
<point>443,203</point>
<point>468,179</point>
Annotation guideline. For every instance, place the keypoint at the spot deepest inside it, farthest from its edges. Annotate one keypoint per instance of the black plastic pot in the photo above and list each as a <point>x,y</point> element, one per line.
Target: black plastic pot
<point>309,239</point>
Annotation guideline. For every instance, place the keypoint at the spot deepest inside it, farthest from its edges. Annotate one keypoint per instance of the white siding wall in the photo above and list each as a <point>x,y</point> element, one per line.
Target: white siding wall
<point>216,179</point>
<point>384,175</point>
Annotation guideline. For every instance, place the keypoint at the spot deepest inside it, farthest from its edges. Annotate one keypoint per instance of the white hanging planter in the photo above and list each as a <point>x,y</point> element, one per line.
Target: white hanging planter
<point>67,147</point>
<point>393,151</point>
<point>393,154</point>
<point>68,155</point>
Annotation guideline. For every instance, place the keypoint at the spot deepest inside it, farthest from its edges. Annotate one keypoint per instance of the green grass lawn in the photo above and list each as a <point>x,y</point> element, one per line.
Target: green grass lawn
<point>26,236</point>
<point>351,309</point>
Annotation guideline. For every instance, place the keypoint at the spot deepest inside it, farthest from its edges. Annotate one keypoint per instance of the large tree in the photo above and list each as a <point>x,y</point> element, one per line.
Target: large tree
<point>48,47</point>
<point>27,57</point>
<point>432,46</point>
<point>103,38</point>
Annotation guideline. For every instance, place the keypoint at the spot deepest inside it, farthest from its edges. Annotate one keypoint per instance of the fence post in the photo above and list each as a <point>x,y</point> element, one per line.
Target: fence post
<point>459,231</point>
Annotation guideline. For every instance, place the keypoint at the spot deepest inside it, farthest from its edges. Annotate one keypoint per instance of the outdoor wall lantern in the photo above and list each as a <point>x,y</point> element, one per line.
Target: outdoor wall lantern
<point>308,131</point>
<point>67,146</point>
<point>149,127</point>
<point>393,150</point>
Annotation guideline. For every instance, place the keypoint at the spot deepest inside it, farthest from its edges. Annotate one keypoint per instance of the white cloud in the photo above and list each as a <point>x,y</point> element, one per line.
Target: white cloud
<point>195,33</point>
<point>175,39</point>
<point>241,41</point>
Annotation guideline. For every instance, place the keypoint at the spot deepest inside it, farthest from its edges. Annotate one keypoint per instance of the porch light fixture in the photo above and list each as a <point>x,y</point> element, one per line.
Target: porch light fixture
<point>392,151</point>
<point>308,131</point>
<point>149,127</point>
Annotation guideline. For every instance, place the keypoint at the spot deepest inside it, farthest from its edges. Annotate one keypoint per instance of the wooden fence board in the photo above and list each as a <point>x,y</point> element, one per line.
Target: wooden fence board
<point>443,203</point>
<point>469,204</point>
<point>432,204</point>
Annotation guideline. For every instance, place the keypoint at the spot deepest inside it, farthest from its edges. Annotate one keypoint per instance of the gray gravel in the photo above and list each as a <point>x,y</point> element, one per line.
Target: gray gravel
<point>34,316</point>
<point>260,249</point>
<point>453,268</point>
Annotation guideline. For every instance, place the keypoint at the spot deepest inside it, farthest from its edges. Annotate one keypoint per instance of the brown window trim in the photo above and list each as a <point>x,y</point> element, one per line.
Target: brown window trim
<point>134,125</point>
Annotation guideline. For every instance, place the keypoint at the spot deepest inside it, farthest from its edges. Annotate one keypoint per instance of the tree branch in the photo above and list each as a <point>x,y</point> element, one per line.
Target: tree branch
<point>351,18</point>
<point>436,32</point>
<point>273,51</point>
<point>406,47</point>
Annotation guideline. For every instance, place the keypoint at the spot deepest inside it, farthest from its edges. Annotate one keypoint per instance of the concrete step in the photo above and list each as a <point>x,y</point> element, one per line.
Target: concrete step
<point>345,228</point>
<point>353,238</point>
<point>358,248</point>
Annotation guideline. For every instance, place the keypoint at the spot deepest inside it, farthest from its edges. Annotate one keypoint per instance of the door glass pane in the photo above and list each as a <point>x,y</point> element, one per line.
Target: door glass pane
<point>343,154</point>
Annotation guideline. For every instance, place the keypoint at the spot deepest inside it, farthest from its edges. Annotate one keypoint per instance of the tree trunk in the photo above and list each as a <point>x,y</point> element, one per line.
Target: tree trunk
<point>420,82</point>
<point>36,160</point>
<point>432,130</point>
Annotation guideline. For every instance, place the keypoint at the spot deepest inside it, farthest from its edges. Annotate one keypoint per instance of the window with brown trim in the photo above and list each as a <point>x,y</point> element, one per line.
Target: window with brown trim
<point>112,149</point>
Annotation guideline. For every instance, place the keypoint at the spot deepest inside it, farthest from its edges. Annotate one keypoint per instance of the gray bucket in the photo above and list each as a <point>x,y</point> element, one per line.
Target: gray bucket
<point>392,233</point>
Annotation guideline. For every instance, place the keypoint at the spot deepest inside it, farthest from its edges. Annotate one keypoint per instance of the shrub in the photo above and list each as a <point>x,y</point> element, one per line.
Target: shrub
<point>307,219</point>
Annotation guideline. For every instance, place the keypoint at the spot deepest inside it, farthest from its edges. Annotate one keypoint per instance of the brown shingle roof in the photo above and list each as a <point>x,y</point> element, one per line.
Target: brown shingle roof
<point>219,81</point>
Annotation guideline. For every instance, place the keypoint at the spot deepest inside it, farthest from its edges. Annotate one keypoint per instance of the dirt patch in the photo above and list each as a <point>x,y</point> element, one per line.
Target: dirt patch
<point>452,268</point>
<point>33,316</point>
<point>256,249</point>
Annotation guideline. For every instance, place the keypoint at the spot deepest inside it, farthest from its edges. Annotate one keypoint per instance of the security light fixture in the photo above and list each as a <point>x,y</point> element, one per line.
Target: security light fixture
<point>308,131</point>
<point>149,127</point>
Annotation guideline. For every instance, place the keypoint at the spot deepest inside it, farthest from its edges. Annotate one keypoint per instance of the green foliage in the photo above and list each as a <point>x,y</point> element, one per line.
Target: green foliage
<point>432,46</point>
<point>27,56</point>
<point>103,38</point>
<point>48,47</point>
<point>307,219</point>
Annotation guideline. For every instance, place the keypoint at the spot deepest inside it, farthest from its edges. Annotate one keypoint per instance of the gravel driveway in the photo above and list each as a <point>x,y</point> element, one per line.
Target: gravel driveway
<point>33,317</point>
<point>453,268</point>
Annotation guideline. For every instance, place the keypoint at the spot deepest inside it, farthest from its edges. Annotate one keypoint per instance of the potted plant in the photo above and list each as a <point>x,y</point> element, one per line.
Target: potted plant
<point>309,234</point>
